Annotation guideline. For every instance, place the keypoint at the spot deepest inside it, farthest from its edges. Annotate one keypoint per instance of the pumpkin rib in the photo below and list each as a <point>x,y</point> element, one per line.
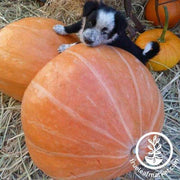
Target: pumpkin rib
<point>106,90</point>
<point>73,114</point>
<point>120,168</point>
<point>6,80</point>
<point>92,102</point>
<point>36,32</point>
<point>138,94</point>
<point>136,88</point>
<point>90,173</point>
<point>30,30</point>
<point>151,105</point>
<point>57,134</point>
<point>174,51</point>
<point>109,58</point>
<point>157,112</point>
<point>65,77</point>
<point>123,167</point>
<point>73,155</point>
<point>49,131</point>
<point>151,97</point>
<point>111,176</point>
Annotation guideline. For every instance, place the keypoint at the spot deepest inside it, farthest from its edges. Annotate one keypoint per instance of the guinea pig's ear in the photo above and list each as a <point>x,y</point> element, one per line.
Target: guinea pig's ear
<point>120,22</point>
<point>89,7</point>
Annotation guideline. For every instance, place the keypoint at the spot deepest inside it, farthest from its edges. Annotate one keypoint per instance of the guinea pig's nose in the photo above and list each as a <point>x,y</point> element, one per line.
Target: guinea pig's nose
<point>88,41</point>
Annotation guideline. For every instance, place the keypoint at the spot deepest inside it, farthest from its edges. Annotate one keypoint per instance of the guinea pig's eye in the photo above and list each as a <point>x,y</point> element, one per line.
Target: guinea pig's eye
<point>93,22</point>
<point>104,30</point>
<point>89,23</point>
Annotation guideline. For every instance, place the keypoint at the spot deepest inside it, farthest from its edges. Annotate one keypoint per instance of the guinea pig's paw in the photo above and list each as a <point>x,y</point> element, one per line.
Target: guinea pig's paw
<point>59,29</point>
<point>63,47</point>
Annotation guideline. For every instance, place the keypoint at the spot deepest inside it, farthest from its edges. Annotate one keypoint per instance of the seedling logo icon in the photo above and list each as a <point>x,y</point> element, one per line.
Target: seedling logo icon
<point>154,159</point>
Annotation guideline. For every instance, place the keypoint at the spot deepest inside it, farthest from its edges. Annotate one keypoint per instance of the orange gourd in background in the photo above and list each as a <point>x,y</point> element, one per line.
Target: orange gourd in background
<point>85,110</point>
<point>169,54</point>
<point>25,47</point>
<point>173,9</point>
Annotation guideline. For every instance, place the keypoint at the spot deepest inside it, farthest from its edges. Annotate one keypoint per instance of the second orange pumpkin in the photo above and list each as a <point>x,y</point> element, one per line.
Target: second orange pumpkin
<point>173,10</point>
<point>169,54</point>
<point>25,47</point>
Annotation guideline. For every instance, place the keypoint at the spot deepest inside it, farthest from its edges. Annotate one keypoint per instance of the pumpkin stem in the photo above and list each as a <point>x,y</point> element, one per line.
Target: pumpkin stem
<point>162,37</point>
<point>157,12</point>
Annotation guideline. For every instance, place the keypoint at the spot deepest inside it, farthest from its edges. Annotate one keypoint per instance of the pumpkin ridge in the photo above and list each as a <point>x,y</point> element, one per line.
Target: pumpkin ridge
<point>157,112</point>
<point>83,93</point>
<point>17,55</point>
<point>151,97</point>
<point>83,121</point>
<point>9,51</point>
<point>49,131</point>
<point>135,85</point>
<point>109,58</point>
<point>123,167</point>
<point>20,84</point>
<point>56,133</point>
<point>73,155</point>
<point>176,52</point>
<point>106,90</point>
<point>32,31</point>
<point>90,173</point>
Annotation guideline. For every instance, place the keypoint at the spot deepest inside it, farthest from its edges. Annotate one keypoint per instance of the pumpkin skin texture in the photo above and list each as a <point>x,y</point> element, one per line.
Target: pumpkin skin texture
<point>169,54</point>
<point>173,10</point>
<point>25,47</point>
<point>85,110</point>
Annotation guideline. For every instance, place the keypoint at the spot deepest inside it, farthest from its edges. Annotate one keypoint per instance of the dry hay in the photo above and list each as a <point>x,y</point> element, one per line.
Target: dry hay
<point>68,11</point>
<point>15,162</point>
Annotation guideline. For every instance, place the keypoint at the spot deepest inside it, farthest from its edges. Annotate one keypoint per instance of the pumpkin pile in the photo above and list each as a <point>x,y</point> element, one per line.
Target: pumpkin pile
<point>85,110</point>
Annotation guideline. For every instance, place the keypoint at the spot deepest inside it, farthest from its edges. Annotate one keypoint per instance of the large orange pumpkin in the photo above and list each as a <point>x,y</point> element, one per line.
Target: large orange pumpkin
<point>25,47</point>
<point>85,110</point>
<point>173,9</point>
